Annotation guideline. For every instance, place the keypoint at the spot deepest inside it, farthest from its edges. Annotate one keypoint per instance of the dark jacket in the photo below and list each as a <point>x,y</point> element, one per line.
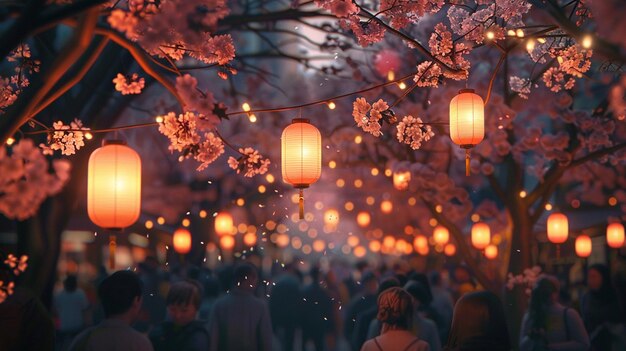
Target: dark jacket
<point>169,337</point>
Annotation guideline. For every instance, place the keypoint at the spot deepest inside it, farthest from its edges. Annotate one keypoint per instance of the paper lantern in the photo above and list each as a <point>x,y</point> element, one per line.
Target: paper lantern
<point>449,249</point>
<point>363,219</point>
<point>401,179</point>
<point>227,242</point>
<point>557,228</point>
<point>467,122</point>
<point>301,156</point>
<point>583,246</point>
<point>114,185</point>
<point>491,252</point>
<point>481,236</point>
<point>250,239</point>
<point>374,246</point>
<point>420,243</point>
<point>114,189</point>
<point>441,235</point>
<point>386,206</point>
<point>359,251</point>
<point>615,235</point>
<point>224,224</point>
<point>182,241</point>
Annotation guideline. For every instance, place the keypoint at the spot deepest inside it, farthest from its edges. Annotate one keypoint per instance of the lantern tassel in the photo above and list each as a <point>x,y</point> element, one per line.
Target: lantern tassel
<point>112,245</point>
<point>301,202</point>
<point>467,162</point>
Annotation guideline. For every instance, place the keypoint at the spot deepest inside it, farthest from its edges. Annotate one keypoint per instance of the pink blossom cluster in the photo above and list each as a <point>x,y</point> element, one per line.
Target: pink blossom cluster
<point>368,117</point>
<point>339,8</point>
<point>617,99</point>
<point>129,85</point>
<point>176,27</point>
<point>412,131</point>
<point>11,87</point>
<point>366,32</point>
<point>520,85</point>
<point>198,101</point>
<point>447,51</point>
<point>250,163</point>
<point>191,135</point>
<point>527,278</point>
<point>26,180</point>
<point>573,62</point>
<point>16,266</point>
<point>67,138</point>
<point>404,12</point>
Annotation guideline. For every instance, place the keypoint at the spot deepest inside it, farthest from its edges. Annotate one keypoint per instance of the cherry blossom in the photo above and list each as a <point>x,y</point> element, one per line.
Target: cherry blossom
<point>27,179</point>
<point>340,8</point>
<point>198,101</point>
<point>527,279</point>
<point>129,85</point>
<point>67,138</point>
<point>369,123</point>
<point>250,163</point>
<point>412,131</point>
<point>520,85</point>
<point>210,150</point>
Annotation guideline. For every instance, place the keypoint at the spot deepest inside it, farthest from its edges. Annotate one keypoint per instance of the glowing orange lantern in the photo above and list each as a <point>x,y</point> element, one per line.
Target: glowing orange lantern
<point>441,235</point>
<point>114,189</point>
<point>401,179</point>
<point>491,252</point>
<point>301,156</point>
<point>401,246</point>
<point>182,241</point>
<point>114,186</point>
<point>282,240</point>
<point>319,245</point>
<point>386,206</point>
<point>467,122</point>
<point>449,249</point>
<point>250,239</point>
<point>557,228</point>
<point>227,242</point>
<point>615,235</point>
<point>481,235</point>
<point>583,246</point>
<point>374,245</point>
<point>363,219</point>
<point>359,251</point>
<point>224,224</point>
<point>420,243</point>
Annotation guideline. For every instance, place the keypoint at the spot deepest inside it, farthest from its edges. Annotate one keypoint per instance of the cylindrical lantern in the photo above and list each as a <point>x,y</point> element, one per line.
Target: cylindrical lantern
<point>583,246</point>
<point>557,228</point>
<point>441,235</point>
<point>363,219</point>
<point>481,235</point>
<point>420,242</point>
<point>182,241</point>
<point>491,252</point>
<point>114,186</point>
<point>615,235</point>
<point>449,249</point>
<point>224,224</point>
<point>467,122</point>
<point>401,179</point>
<point>114,189</point>
<point>301,156</point>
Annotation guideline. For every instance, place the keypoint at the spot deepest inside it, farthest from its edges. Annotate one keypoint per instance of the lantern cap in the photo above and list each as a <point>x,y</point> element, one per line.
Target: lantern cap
<point>113,142</point>
<point>466,90</point>
<point>301,186</point>
<point>300,120</point>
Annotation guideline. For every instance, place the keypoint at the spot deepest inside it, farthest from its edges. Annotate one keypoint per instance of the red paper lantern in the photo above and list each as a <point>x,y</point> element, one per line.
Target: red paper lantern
<point>467,121</point>
<point>615,235</point>
<point>583,246</point>
<point>481,235</point>
<point>182,241</point>
<point>557,227</point>
<point>441,235</point>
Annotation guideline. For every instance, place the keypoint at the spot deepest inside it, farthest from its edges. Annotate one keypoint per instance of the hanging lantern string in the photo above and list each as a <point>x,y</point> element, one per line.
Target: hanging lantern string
<point>301,203</point>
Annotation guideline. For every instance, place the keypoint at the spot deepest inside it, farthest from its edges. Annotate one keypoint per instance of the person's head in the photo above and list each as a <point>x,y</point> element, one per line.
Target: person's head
<point>435,279</point>
<point>212,287</point>
<point>386,284</point>
<point>418,292</point>
<point>183,301</point>
<point>70,283</point>
<point>370,283</point>
<point>246,276</point>
<point>545,292</point>
<point>479,323</point>
<point>425,284</point>
<point>395,309</point>
<point>598,278</point>
<point>120,294</point>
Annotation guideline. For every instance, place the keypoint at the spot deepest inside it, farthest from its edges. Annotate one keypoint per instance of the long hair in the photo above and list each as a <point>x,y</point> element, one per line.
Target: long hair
<point>395,308</point>
<point>479,324</point>
<point>540,299</point>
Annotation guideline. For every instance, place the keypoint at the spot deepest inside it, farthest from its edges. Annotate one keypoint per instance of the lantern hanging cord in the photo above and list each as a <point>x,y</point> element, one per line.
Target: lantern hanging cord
<point>301,204</point>
<point>467,162</point>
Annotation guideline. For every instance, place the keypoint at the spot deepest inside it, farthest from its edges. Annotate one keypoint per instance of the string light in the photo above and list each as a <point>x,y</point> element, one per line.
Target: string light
<point>10,141</point>
<point>587,41</point>
<point>332,164</point>
<point>252,118</point>
<point>358,139</point>
<point>159,119</point>
<point>522,194</point>
<point>202,214</point>
<point>88,136</point>
<point>161,220</point>
<point>519,33</point>
<point>245,106</point>
<point>402,86</point>
<point>530,45</point>
<point>490,35</point>
<point>186,222</point>
<point>332,105</point>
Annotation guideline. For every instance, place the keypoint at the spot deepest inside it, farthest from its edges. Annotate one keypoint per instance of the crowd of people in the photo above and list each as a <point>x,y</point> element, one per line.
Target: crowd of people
<point>240,308</point>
